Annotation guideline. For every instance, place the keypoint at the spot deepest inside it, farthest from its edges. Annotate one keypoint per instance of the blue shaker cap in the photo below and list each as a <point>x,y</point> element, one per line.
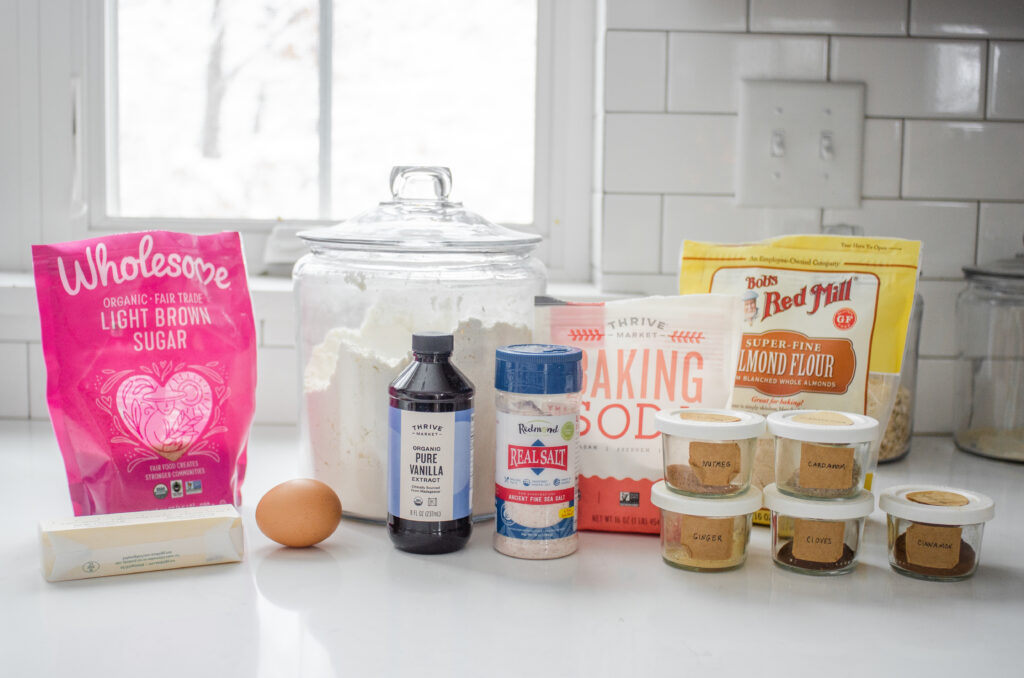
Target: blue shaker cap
<point>547,369</point>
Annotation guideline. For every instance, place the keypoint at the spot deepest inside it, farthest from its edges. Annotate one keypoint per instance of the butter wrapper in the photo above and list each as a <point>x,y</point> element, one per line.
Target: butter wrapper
<point>123,543</point>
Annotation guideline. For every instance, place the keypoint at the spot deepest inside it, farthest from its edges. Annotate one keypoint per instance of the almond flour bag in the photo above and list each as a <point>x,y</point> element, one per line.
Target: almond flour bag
<point>825,321</point>
<point>150,354</point>
<point>639,356</point>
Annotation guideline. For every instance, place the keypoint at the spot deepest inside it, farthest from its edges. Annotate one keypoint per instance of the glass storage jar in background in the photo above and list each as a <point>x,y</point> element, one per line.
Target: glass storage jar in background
<point>821,454</point>
<point>896,440</point>
<point>989,383</point>
<point>817,537</point>
<point>935,532</point>
<point>418,262</point>
<point>702,534</point>
<point>707,452</point>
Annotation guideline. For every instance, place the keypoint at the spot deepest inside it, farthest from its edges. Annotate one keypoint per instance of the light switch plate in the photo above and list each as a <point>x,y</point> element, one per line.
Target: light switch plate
<point>800,144</point>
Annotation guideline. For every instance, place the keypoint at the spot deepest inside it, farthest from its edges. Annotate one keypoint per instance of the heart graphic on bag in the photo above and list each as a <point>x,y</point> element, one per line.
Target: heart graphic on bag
<point>167,418</point>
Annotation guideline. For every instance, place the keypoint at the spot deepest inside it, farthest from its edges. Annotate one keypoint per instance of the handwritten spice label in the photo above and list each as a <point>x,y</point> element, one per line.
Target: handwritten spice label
<point>934,546</point>
<point>938,498</point>
<point>714,463</point>
<point>826,468</point>
<point>818,541</point>
<point>707,538</point>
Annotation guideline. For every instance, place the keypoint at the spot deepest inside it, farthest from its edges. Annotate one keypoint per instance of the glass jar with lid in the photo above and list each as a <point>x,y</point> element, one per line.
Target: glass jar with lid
<point>989,399</point>
<point>418,262</point>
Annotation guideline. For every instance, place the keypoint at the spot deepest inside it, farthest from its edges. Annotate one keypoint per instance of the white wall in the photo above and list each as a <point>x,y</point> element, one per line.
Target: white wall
<point>944,138</point>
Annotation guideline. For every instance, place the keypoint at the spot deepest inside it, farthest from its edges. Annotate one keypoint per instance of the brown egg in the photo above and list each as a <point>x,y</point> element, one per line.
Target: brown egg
<point>299,512</point>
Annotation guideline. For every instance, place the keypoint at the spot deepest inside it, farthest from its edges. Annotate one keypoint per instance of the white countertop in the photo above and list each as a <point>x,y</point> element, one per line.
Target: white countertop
<point>355,606</point>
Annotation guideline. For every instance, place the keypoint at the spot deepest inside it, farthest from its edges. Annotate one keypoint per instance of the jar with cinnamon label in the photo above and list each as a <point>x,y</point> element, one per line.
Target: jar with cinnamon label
<point>817,537</point>
<point>821,454</point>
<point>935,532</point>
<point>704,535</point>
<point>708,452</point>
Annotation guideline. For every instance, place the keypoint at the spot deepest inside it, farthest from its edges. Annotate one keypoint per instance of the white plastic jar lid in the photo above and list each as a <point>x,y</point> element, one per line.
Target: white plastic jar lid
<point>859,506</point>
<point>710,424</point>
<point>937,505</point>
<point>724,507</point>
<point>823,426</point>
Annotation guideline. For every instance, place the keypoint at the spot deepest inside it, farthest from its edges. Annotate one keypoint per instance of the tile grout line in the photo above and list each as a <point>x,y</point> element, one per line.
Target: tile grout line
<point>977,231</point>
<point>664,98</point>
<point>903,153</point>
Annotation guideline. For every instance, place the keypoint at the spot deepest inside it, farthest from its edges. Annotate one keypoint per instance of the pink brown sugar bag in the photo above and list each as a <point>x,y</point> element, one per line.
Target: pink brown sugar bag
<point>150,351</point>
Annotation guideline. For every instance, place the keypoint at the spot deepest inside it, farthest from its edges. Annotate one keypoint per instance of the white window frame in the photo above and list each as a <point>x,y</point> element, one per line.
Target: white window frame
<point>564,137</point>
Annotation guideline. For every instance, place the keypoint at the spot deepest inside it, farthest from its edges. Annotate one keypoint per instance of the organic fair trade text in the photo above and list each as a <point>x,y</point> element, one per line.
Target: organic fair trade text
<point>156,321</point>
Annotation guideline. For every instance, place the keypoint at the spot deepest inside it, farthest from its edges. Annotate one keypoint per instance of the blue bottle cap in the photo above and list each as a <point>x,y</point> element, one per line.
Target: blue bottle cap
<point>538,369</point>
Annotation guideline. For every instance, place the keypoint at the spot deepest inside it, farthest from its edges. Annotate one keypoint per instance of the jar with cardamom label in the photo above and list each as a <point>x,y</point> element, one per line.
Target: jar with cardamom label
<point>821,454</point>
<point>708,453</point>
<point>704,535</point>
<point>935,532</point>
<point>817,537</point>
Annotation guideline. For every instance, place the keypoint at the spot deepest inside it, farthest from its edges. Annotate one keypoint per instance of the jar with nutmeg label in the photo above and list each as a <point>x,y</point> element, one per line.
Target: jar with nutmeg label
<point>935,532</point>
<point>708,452</point>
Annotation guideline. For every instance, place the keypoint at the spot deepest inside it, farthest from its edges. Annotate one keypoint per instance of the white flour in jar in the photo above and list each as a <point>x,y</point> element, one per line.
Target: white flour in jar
<point>345,386</point>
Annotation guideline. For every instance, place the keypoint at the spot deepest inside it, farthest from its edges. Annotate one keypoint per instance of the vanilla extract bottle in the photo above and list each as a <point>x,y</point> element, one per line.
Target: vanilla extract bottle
<point>430,450</point>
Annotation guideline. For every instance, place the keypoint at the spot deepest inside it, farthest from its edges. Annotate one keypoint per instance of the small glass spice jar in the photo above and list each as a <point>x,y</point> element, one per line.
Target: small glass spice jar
<point>817,537</point>
<point>935,532</point>
<point>821,454</point>
<point>704,535</point>
<point>708,453</point>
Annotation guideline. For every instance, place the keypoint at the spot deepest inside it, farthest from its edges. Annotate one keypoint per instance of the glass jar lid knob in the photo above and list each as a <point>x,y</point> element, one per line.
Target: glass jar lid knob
<point>412,183</point>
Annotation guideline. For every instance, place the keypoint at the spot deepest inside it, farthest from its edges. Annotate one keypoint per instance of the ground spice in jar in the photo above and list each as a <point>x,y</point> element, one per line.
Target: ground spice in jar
<point>826,493</point>
<point>684,478</point>
<point>963,565</point>
<point>785,556</point>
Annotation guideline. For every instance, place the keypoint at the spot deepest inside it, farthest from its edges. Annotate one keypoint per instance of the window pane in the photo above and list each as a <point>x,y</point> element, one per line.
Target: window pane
<point>448,82</point>
<point>217,108</point>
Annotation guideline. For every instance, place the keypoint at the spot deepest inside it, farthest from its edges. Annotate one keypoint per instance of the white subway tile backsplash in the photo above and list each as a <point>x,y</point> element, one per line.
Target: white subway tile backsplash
<point>276,386</point>
<point>1000,231</point>
<point>933,406</point>
<point>870,17</point>
<point>981,160</point>
<point>719,219</point>
<point>705,69</point>
<point>630,283</point>
<point>632,234</point>
<point>1006,80</point>
<point>938,328</point>
<point>634,68</point>
<point>14,367</point>
<point>883,149</point>
<point>968,18</point>
<point>946,229</point>
<point>37,408</point>
<point>908,78</point>
<point>676,15</point>
<point>653,153</point>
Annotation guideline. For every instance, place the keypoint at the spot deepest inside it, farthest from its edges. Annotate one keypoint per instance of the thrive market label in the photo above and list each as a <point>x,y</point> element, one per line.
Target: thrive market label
<point>802,330</point>
<point>936,546</point>
<point>826,468</point>
<point>818,541</point>
<point>707,538</point>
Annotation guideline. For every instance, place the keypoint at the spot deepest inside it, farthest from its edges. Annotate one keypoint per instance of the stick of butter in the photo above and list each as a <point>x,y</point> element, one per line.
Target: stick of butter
<point>123,543</point>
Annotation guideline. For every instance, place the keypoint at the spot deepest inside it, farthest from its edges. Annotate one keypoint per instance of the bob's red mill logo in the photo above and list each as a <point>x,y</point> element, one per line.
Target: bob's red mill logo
<point>817,296</point>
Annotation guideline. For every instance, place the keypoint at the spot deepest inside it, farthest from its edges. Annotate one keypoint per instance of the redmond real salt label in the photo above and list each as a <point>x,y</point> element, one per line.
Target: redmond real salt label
<point>535,476</point>
<point>826,467</point>
<point>430,456</point>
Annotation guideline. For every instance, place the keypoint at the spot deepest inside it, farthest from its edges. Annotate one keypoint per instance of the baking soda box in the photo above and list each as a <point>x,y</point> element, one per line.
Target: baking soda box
<point>640,356</point>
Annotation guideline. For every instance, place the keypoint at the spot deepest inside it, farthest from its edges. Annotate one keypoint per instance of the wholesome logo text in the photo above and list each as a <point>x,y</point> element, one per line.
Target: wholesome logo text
<point>101,272</point>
